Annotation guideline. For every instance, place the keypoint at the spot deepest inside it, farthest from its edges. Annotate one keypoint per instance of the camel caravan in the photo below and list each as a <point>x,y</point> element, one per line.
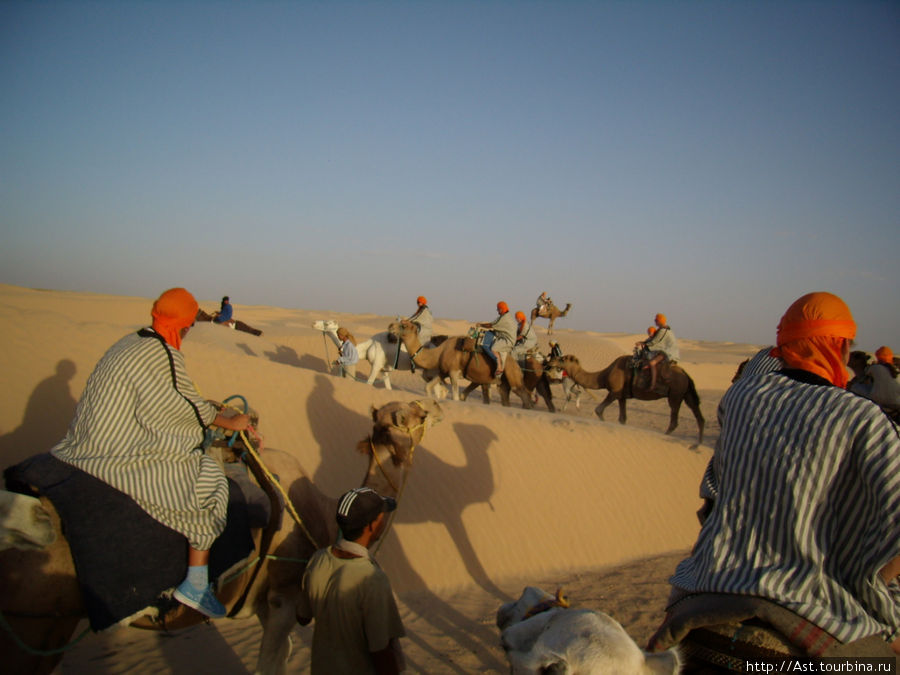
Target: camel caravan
<point>445,361</point>
<point>261,558</point>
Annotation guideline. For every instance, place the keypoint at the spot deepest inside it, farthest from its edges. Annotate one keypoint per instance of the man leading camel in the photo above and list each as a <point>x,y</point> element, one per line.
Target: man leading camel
<point>357,622</point>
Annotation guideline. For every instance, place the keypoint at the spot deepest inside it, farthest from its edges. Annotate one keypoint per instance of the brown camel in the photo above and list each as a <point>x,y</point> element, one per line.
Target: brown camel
<point>449,360</point>
<point>42,603</point>
<point>617,378</point>
<point>551,311</point>
<point>534,378</point>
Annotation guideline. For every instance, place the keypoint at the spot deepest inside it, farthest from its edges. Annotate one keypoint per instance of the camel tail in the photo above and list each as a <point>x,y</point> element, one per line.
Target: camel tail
<point>692,396</point>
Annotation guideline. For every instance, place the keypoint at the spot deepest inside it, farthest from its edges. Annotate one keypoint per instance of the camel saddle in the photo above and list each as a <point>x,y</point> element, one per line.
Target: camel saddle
<point>640,378</point>
<point>471,342</point>
<point>720,632</point>
<point>148,558</point>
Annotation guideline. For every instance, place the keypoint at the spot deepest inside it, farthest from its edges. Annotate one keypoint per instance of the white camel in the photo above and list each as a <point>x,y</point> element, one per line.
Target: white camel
<point>540,635</point>
<point>23,522</point>
<point>372,350</point>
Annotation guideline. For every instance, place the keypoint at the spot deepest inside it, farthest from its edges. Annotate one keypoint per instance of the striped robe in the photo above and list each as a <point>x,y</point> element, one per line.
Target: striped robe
<point>762,362</point>
<point>139,426</point>
<point>805,490</point>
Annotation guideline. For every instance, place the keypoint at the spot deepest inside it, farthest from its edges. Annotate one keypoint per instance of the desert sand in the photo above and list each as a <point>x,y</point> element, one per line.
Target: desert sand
<point>498,498</point>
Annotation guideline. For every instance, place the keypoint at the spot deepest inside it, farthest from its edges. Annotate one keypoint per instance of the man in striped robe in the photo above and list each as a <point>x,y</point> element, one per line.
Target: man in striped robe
<point>803,491</point>
<point>139,426</point>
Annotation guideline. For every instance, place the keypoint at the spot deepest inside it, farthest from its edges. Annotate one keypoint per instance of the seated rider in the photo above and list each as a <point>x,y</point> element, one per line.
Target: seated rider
<point>660,346</point>
<point>139,427</point>
<point>423,319</point>
<point>226,311</point>
<point>543,302</point>
<point>526,340</point>
<point>499,338</point>
<point>803,509</point>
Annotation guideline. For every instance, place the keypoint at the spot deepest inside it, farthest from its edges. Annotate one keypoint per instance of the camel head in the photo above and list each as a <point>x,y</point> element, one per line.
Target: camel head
<point>326,325</point>
<point>401,426</point>
<point>540,635</point>
<point>557,365</point>
<point>402,328</point>
<point>532,601</point>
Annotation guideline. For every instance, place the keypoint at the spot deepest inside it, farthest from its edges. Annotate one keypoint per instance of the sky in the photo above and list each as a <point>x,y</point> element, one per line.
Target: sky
<point>709,160</point>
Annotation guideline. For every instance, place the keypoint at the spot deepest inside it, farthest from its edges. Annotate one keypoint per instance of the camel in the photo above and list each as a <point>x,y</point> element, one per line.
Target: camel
<point>540,634</point>
<point>42,603</point>
<point>617,378</point>
<point>450,361</point>
<point>237,325</point>
<point>534,377</point>
<point>372,350</point>
<point>551,311</point>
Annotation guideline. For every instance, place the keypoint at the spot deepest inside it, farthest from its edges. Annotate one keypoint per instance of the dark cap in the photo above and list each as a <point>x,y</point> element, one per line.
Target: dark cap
<point>359,507</point>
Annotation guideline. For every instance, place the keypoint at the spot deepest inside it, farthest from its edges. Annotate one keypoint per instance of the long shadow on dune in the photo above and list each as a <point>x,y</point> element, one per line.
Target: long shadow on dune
<point>48,412</point>
<point>337,429</point>
<point>444,496</point>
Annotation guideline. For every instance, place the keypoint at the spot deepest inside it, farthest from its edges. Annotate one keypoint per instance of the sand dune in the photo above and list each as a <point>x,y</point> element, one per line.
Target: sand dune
<point>498,497</point>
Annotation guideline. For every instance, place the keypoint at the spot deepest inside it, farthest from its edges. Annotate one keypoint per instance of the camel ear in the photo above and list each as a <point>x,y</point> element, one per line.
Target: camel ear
<point>374,412</point>
<point>363,447</point>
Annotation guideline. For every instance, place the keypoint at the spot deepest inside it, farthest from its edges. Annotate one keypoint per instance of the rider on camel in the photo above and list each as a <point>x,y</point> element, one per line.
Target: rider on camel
<point>499,338</point>
<point>660,346</point>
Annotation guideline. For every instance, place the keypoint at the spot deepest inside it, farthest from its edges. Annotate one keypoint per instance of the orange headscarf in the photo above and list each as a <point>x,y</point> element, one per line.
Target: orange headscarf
<point>651,330</point>
<point>172,312</point>
<point>811,335</point>
<point>660,319</point>
<point>884,355</point>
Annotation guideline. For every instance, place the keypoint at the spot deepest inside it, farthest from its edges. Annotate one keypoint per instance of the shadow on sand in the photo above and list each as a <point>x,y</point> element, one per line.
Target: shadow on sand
<point>339,471</point>
<point>48,412</point>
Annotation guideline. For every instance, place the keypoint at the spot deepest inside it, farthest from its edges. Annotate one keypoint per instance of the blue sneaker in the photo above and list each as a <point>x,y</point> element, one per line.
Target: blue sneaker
<point>202,600</point>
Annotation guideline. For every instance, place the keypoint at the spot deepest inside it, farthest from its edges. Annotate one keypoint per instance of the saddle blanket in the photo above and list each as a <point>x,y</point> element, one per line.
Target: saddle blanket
<point>124,559</point>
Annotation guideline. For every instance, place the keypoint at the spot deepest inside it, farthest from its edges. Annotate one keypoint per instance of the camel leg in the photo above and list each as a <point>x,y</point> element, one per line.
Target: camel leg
<point>472,386</point>
<point>543,388</point>
<point>524,394</point>
<point>701,423</point>
<point>504,392</point>
<point>278,621</point>
<point>610,397</point>
<point>623,417</point>
<point>454,385</point>
<point>386,376</point>
<point>674,407</point>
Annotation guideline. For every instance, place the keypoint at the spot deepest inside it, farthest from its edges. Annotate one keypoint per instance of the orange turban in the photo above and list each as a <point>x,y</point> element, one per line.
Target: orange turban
<point>660,319</point>
<point>520,317</point>
<point>421,300</point>
<point>811,335</point>
<point>884,355</point>
<point>174,311</point>
<point>502,307</point>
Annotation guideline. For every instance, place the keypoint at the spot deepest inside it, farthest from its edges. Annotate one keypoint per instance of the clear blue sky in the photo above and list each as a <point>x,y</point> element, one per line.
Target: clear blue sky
<point>709,160</point>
